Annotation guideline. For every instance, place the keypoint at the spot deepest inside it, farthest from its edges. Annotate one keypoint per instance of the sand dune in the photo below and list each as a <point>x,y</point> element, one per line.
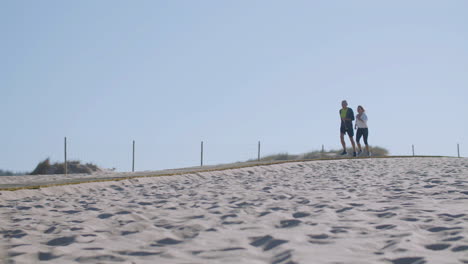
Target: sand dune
<point>400,211</point>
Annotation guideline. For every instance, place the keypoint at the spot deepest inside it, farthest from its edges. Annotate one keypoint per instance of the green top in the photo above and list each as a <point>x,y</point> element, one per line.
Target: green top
<point>343,112</point>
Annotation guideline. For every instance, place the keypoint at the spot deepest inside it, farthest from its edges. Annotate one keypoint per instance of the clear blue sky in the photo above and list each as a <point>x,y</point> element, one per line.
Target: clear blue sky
<point>170,74</point>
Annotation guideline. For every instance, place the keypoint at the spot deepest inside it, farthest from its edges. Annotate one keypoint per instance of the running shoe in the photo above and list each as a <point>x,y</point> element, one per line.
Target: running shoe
<point>343,153</point>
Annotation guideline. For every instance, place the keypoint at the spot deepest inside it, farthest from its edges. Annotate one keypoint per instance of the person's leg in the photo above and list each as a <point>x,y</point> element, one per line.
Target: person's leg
<point>351,138</point>
<point>352,143</point>
<point>343,143</point>
<point>365,136</point>
<point>342,133</point>
<point>358,139</point>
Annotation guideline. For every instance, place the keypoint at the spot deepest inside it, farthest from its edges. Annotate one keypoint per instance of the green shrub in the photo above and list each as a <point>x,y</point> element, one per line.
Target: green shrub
<point>42,168</point>
<point>10,173</point>
<point>73,167</point>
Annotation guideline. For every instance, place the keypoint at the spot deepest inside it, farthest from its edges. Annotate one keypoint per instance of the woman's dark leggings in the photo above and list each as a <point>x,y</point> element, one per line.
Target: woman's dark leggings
<point>362,132</point>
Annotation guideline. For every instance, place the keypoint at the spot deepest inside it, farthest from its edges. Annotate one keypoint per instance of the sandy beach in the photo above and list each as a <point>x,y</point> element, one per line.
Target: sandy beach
<point>391,210</point>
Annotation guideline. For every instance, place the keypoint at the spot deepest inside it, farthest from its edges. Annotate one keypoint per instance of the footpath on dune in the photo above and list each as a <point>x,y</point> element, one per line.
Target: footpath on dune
<point>19,182</point>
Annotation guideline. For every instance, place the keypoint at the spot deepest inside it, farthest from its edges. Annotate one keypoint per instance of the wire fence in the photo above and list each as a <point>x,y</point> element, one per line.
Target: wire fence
<point>207,153</point>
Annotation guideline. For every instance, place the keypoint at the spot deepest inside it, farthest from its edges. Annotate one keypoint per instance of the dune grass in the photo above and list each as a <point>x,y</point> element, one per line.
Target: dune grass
<point>317,154</point>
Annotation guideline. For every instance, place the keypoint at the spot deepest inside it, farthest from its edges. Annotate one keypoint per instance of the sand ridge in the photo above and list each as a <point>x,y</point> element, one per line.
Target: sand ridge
<point>398,211</point>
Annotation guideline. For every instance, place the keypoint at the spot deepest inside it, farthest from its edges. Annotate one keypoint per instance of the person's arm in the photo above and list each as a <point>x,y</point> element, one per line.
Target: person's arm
<point>364,117</point>
<point>359,117</point>
<point>351,114</point>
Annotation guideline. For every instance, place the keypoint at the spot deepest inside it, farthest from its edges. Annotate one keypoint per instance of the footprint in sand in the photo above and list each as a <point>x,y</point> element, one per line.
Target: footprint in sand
<point>289,223</point>
<point>23,208</point>
<point>450,239</point>
<point>13,233</point>
<point>188,232</point>
<point>411,260</point>
<point>71,212</point>
<point>460,248</point>
<point>386,215</point>
<point>126,233</point>
<point>410,219</point>
<point>344,209</point>
<point>61,241</point>
<point>442,229</point>
<point>166,242</point>
<point>320,239</point>
<point>385,227</point>
<point>321,236</point>
<point>93,248</point>
<point>138,253</point>
<point>283,257</point>
<point>300,214</point>
<point>266,242</point>
<point>46,256</point>
<point>232,222</point>
<point>264,213</point>
<point>338,230</point>
<point>99,259</point>
<point>437,246</point>
<point>105,216</point>
<point>93,209</point>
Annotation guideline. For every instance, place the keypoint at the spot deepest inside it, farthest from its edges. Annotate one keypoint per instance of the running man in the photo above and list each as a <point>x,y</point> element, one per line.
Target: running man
<point>347,117</point>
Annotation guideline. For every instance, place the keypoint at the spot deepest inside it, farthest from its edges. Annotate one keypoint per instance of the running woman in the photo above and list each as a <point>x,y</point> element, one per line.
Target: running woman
<point>362,129</point>
<point>347,117</point>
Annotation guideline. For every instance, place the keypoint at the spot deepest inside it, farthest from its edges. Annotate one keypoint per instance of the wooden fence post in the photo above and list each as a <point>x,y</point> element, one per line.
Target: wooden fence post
<point>133,157</point>
<point>65,154</point>
<point>201,155</point>
<point>258,151</point>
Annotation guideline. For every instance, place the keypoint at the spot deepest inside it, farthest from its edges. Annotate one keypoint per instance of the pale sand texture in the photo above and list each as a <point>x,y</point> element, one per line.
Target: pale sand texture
<point>400,210</point>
